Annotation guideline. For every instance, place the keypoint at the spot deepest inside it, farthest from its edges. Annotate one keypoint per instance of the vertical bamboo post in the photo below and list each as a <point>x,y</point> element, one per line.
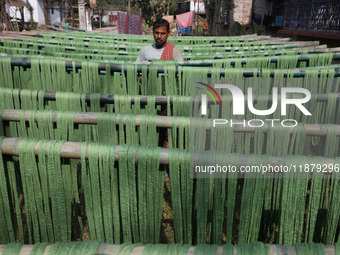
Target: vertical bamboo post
<point>45,12</point>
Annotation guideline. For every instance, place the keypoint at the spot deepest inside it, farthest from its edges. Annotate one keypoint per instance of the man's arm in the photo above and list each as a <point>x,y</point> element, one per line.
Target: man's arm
<point>177,55</point>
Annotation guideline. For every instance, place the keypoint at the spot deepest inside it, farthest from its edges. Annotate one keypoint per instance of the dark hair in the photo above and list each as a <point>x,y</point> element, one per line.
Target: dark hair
<point>161,23</point>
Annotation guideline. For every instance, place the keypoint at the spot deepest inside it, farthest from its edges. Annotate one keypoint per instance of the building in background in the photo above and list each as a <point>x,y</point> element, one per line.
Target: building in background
<point>197,6</point>
<point>46,12</point>
<point>319,18</point>
<point>39,12</point>
<point>109,18</point>
<point>304,17</point>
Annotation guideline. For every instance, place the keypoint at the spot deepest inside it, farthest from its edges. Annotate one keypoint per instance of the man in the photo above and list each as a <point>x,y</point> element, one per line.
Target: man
<point>161,49</point>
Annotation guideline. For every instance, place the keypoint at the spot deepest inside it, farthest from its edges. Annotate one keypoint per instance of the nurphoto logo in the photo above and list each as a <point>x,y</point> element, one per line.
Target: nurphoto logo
<point>238,104</point>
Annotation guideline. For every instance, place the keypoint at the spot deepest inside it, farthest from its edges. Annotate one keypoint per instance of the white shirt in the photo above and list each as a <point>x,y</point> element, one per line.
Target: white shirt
<point>151,52</point>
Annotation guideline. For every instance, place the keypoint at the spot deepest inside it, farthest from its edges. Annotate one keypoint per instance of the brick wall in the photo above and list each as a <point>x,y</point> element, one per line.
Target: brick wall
<point>242,11</point>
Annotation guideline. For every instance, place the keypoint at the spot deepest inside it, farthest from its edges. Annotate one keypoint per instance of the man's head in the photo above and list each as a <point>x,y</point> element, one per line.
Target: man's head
<point>161,32</point>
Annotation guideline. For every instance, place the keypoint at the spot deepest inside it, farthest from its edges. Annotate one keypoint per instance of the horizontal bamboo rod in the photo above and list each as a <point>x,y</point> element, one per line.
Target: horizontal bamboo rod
<point>321,46</point>
<point>163,100</point>
<point>123,46</point>
<point>227,48</point>
<point>188,56</point>
<point>218,56</point>
<point>87,38</point>
<point>272,46</point>
<point>41,44</point>
<point>336,56</point>
<point>249,38</point>
<point>187,47</point>
<point>91,118</point>
<point>211,40</point>
<point>26,63</point>
<point>253,37</point>
<point>10,146</point>
<point>111,249</point>
<point>187,38</point>
<point>123,43</point>
<point>279,52</point>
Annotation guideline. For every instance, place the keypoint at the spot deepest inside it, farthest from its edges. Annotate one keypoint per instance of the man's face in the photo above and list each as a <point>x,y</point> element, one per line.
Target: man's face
<point>160,35</point>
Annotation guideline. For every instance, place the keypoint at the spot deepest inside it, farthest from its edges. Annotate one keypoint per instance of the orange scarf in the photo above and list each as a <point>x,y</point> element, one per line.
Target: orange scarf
<point>168,51</point>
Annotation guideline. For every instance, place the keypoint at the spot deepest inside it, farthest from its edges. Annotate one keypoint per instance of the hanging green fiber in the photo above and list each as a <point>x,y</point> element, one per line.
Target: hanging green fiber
<point>181,195</point>
<point>41,182</point>
<point>317,249</point>
<point>150,193</point>
<point>12,248</point>
<point>251,205</point>
<point>6,225</point>
<point>333,214</point>
<point>135,225</point>
<point>85,87</point>
<point>6,78</point>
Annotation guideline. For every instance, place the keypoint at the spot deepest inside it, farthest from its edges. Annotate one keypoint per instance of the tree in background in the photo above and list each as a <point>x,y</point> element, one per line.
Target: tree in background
<point>152,9</point>
<point>217,12</point>
<point>2,6</point>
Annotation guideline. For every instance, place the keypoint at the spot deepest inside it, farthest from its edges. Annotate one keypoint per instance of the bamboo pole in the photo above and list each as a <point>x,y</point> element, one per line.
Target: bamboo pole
<point>26,63</point>
<point>273,44</point>
<point>213,57</point>
<point>187,58</point>
<point>301,58</point>
<point>45,12</point>
<point>159,100</point>
<point>313,49</point>
<point>266,54</point>
<point>91,118</point>
<point>323,46</point>
<point>163,100</point>
<point>251,38</point>
<point>10,146</point>
<point>122,48</point>
<point>266,51</point>
<point>42,43</point>
<point>62,11</point>
<point>151,39</point>
<point>111,249</point>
